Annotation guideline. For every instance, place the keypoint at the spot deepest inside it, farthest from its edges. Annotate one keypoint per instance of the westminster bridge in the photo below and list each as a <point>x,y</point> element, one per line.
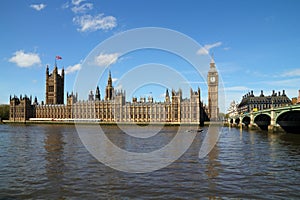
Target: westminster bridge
<point>273,119</point>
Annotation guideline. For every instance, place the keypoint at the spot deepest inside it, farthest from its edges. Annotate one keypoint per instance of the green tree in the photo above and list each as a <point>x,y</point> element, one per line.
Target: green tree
<point>4,111</point>
<point>226,116</point>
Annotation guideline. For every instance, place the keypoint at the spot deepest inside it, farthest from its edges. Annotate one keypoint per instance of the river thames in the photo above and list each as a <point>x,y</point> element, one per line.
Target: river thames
<point>50,162</point>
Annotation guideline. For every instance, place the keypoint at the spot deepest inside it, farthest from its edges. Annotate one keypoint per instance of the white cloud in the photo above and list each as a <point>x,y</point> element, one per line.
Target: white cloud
<point>94,23</point>
<point>59,71</point>
<point>114,79</point>
<point>236,88</point>
<point>70,69</point>
<point>205,50</point>
<point>293,72</point>
<point>23,59</point>
<point>291,82</point>
<point>103,60</point>
<point>119,87</point>
<point>65,5</point>
<point>83,8</point>
<point>257,73</point>
<point>210,46</point>
<point>162,95</point>
<point>38,7</point>
<point>77,2</point>
<point>193,82</point>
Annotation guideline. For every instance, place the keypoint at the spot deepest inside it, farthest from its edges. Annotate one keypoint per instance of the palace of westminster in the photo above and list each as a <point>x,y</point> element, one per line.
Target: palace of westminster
<point>114,107</point>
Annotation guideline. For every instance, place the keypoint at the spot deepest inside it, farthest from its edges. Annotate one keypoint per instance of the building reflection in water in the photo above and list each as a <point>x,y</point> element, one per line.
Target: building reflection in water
<point>54,146</point>
<point>213,168</point>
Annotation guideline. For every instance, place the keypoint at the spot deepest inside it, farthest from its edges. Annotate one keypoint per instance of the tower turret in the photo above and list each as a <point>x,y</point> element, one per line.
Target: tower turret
<point>109,91</point>
<point>54,86</point>
<point>47,70</point>
<point>63,72</point>
<point>109,82</point>
<point>55,71</point>
<point>91,96</point>
<point>167,97</point>
<point>212,62</point>
<point>97,95</point>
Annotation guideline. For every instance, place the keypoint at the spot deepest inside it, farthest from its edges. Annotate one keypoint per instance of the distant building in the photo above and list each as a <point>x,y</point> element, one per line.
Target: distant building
<point>255,103</point>
<point>113,108</point>
<point>233,109</point>
<point>294,100</point>
<point>21,108</point>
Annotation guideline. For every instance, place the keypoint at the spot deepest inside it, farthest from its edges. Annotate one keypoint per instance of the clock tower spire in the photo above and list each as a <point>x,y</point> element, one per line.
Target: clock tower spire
<point>213,91</point>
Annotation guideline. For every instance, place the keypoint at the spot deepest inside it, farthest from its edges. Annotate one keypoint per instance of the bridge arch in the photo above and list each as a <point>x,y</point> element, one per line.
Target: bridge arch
<point>237,120</point>
<point>281,113</point>
<point>231,121</point>
<point>246,120</point>
<point>262,113</point>
<point>263,121</point>
<point>289,121</point>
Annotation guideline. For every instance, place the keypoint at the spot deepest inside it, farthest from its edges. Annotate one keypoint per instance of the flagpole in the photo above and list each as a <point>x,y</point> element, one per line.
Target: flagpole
<point>57,58</point>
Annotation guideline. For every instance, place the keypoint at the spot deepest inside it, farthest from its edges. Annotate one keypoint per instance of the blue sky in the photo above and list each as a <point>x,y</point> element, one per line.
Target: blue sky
<point>256,43</point>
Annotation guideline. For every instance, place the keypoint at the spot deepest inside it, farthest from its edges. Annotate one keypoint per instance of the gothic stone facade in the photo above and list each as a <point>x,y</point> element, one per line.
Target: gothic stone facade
<point>55,86</point>
<point>213,91</point>
<point>113,108</point>
<point>21,108</point>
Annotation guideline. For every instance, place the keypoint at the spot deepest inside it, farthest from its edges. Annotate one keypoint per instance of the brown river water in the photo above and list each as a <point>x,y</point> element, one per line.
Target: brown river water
<point>50,162</point>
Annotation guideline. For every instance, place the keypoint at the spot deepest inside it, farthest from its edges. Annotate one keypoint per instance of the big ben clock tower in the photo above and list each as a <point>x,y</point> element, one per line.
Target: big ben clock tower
<point>213,85</point>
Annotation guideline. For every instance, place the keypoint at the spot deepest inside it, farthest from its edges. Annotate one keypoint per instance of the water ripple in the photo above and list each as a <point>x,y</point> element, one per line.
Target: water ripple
<point>50,162</point>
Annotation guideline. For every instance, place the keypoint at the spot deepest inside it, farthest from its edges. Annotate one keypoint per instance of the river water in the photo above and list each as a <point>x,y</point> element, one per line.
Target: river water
<point>50,162</point>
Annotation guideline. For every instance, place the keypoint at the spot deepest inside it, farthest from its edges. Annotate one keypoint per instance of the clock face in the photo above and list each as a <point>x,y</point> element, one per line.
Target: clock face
<point>212,79</point>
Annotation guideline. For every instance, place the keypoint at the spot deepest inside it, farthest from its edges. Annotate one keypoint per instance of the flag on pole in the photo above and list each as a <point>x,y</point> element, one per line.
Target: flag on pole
<point>58,58</point>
